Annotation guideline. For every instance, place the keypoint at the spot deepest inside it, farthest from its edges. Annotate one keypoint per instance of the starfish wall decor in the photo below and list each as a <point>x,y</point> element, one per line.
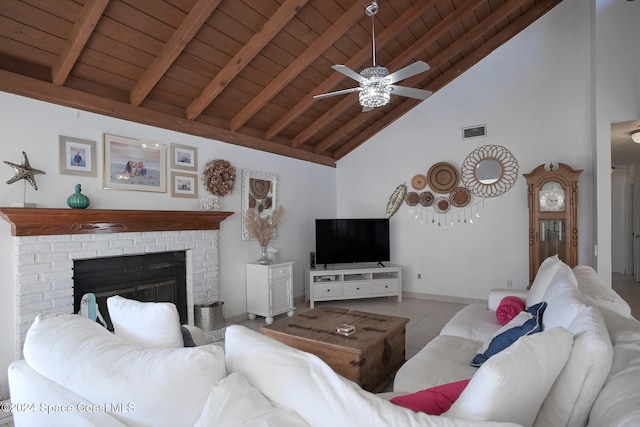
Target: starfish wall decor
<point>24,171</point>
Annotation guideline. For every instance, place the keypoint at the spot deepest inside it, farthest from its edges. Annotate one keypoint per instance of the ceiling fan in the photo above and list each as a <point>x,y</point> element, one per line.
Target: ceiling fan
<point>376,84</point>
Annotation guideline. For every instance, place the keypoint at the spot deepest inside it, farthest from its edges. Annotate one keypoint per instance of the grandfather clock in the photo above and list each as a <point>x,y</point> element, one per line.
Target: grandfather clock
<point>553,215</point>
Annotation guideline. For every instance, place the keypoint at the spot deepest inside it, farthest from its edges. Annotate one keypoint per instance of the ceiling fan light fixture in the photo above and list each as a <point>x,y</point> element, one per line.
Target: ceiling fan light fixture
<point>635,136</point>
<point>374,96</point>
<point>375,90</point>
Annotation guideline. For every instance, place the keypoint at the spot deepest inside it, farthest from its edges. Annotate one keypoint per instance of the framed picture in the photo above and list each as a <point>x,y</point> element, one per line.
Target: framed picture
<point>184,184</point>
<point>184,157</point>
<point>77,156</point>
<point>259,191</point>
<point>133,164</point>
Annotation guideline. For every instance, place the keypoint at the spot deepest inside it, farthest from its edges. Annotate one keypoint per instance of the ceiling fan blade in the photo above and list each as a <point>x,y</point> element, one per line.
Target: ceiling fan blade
<point>410,92</point>
<point>408,71</point>
<point>349,73</point>
<point>338,92</point>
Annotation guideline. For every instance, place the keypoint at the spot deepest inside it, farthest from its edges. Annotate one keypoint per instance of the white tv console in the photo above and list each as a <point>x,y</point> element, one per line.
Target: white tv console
<point>352,281</point>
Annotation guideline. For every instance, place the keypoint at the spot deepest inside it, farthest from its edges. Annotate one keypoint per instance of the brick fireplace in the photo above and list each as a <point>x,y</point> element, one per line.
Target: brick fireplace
<point>47,241</point>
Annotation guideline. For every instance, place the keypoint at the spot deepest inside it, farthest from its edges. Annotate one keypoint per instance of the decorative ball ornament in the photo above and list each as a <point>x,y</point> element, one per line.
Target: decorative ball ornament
<point>24,171</point>
<point>219,177</point>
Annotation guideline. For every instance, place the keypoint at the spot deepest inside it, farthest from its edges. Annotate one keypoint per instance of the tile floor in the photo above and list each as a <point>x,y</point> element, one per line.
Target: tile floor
<point>427,317</point>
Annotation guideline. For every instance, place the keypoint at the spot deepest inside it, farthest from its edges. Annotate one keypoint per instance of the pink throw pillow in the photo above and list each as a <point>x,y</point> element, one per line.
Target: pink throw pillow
<point>508,308</point>
<point>434,400</point>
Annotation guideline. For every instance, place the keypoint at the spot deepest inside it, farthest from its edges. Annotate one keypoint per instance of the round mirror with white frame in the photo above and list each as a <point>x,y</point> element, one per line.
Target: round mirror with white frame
<point>489,171</point>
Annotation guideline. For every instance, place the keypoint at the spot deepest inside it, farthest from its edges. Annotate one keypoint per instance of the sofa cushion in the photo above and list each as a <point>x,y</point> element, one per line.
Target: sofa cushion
<point>512,385</point>
<point>621,329</point>
<point>234,402</point>
<point>434,400</point>
<point>526,322</point>
<point>570,399</point>
<point>146,324</point>
<point>300,381</point>
<point>443,360</point>
<point>167,387</point>
<point>28,386</point>
<point>617,402</point>
<point>564,301</point>
<point>473,321</point>
<point>543,278</point>
<point>598,293</point>
<point>509,308</point>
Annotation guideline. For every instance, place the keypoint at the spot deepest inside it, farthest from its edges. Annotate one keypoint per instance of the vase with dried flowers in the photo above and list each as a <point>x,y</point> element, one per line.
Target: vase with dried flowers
<point>262,228</point>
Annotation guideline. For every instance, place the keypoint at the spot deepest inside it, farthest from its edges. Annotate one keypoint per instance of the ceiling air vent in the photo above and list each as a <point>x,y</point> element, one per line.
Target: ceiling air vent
<point>479,131</point>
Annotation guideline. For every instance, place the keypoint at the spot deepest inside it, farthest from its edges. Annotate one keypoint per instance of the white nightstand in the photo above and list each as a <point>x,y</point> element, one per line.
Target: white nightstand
<point>269,290</point>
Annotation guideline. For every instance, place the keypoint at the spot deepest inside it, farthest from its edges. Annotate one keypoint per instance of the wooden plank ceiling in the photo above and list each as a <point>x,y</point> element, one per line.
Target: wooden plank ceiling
<point>245,71</point>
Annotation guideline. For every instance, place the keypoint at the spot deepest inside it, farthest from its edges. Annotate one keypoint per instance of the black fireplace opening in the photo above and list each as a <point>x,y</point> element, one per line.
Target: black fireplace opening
<point>154,277</point>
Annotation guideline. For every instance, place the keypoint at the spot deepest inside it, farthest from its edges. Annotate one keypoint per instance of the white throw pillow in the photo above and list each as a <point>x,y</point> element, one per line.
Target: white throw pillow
<point>512,385</point>
<point>234,402</point>
<point>564,303</point>
<point>545,273</point>
<point>301,382</point>
<point>598,292</point>
<point>146,324</point>
<point>572,395</point>
<point>155,387</point>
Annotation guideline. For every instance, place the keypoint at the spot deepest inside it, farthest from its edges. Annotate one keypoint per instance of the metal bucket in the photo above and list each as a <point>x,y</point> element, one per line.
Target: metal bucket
<point>209,317</point>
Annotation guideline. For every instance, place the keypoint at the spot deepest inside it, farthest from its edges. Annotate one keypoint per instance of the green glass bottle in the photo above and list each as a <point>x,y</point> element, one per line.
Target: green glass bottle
<point>78,200</point>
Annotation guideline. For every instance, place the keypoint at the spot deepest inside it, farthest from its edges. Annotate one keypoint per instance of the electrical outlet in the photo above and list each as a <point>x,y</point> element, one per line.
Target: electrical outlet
<point>419,276</point>
<point>509,283</point>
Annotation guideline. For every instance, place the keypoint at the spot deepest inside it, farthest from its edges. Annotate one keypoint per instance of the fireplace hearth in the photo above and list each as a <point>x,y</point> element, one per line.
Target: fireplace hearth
<point>47,242</point>
<point>153,277</point>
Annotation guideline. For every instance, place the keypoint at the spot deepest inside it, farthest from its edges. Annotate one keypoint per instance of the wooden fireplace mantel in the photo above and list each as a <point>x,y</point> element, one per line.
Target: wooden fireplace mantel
<point>44,221</point>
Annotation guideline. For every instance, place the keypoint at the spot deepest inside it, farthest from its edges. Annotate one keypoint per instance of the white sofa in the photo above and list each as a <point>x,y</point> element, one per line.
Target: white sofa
<point>76,373</point>
<point>600,382</point>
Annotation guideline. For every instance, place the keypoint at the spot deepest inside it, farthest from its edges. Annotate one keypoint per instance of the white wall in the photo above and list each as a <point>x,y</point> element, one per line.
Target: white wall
<point>617,92</point>
<point>306,191</point>
<point>534,95</point>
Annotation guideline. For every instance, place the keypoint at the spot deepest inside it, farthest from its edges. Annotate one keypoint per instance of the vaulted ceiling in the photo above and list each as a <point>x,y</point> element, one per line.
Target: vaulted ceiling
<point>245,71</point>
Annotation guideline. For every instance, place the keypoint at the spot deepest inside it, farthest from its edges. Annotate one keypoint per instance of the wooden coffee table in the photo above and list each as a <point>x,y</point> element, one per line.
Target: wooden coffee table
<point>370,356</point>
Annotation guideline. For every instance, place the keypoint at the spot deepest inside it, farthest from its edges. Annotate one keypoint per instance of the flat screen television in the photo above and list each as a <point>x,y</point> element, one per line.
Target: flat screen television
<point>340,241</point>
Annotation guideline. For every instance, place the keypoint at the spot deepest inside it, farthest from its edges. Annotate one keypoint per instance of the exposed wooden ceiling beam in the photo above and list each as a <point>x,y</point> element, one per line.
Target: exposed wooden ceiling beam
<point>322,43</point>
<point>270,29</point>
<point>400,61</point>
<point>48,92</point>
<point>356,60</point>
<point>479,53</point>
<point>73,45</point>
<point>174,47</point>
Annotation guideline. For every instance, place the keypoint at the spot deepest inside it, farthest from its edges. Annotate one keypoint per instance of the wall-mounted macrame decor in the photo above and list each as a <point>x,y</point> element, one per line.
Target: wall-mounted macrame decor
<point>259,191</point>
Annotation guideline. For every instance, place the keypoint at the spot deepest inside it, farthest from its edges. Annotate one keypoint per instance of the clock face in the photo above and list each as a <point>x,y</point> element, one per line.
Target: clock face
<point>552,197</point>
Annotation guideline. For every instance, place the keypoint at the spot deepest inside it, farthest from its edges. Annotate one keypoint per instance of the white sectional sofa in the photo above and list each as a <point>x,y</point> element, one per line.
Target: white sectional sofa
<point>584,368</point>
<point>76,373</point>
<point>600,383</point>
